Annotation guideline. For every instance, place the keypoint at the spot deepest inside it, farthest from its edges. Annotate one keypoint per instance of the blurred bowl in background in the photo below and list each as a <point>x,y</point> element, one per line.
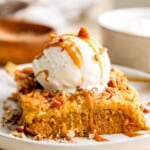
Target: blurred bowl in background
<point>21,41</point>
<point>126,33</point>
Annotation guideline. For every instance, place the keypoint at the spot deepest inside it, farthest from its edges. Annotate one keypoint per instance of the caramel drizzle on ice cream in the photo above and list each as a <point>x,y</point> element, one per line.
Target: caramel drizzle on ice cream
<point>45,73</point>
<point>84,35</point>
<point>97,56</point>
<point>77,53</point>
<point>68,45</point>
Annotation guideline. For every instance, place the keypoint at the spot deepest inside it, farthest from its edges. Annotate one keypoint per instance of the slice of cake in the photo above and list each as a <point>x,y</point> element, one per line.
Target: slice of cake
<point>62,114</point>
<point>72,91</point>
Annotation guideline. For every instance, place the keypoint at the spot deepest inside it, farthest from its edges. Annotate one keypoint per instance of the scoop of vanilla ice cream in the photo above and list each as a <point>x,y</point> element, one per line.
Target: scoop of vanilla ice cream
<point>72,61</point>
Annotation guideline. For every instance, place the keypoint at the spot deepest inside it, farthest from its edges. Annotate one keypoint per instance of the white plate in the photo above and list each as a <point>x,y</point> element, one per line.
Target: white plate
<point>116,141</point>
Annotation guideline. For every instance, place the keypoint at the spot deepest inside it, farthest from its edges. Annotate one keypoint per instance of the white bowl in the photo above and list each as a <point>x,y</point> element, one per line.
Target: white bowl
<point>126,33</point>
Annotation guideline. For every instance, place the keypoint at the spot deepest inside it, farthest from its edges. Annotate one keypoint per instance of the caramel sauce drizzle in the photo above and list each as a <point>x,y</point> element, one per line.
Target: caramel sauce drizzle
<point>99,138</point>
<point>97,53</point>
<point>52,36</point>
<point>39,55</point>
<point>46,74</point>
<point>146,110</point>
<point>90,105</point>
<point>132,134</point>
<point>84,35</point>
<point>74,54</point>
<point>77,50</point>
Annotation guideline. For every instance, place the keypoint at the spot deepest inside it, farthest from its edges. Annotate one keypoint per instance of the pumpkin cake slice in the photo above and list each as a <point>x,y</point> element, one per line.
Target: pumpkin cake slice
<point>82,114</point>
<point>71,90</point>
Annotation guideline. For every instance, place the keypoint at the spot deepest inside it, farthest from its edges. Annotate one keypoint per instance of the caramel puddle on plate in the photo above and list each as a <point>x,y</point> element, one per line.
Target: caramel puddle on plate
<point>132,134</point>
<point>99,138</point>
<point>146,110</point>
